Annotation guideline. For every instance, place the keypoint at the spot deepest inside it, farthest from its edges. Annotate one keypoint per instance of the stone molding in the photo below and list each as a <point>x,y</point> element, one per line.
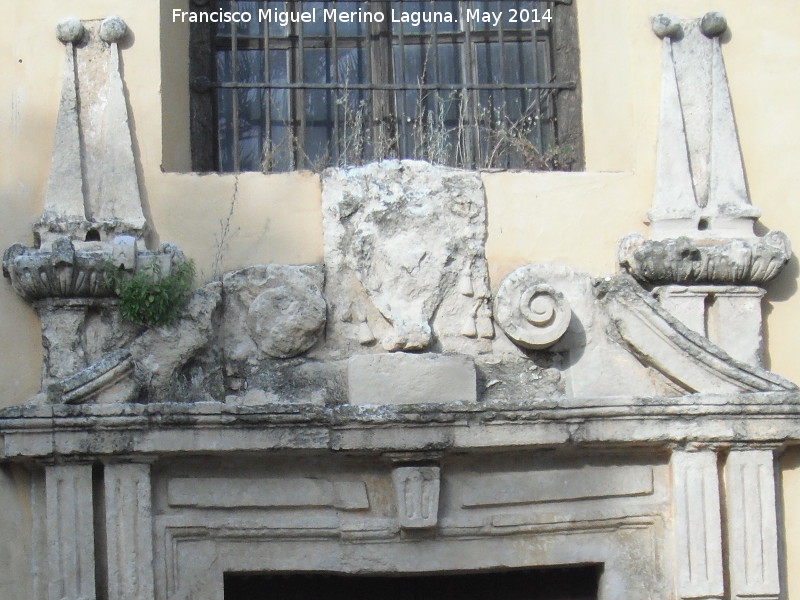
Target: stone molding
<point>72,269</point>
<point>626,550</point>
<point>101,430</point>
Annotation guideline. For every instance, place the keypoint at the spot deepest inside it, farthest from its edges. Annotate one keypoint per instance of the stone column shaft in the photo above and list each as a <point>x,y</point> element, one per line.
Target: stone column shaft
<point>698,532</point>
<point>70,532</point>
<point>752,525</point>
<point>129,531</point>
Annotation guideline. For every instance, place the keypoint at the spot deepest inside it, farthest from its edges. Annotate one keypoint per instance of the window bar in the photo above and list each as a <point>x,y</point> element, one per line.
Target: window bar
<point>504,108</point>
<point>301,91</point>
<point>570,85</point>
<point>464,133</point>
<point>235,93</point>
<point>538,93</point>
<point>333,143</point>
<point>473,127</point>
<point>267,158</point>
<point>402,116</point>
<point>548,67</point>
<point>436,77</point>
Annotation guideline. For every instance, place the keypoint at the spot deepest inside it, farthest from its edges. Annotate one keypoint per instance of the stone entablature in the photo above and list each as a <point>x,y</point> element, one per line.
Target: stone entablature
<point>200,490</point>
<point>107,430</point>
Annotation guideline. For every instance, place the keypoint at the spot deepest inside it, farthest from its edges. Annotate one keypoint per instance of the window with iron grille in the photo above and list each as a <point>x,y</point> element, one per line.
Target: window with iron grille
<point>314,84</point>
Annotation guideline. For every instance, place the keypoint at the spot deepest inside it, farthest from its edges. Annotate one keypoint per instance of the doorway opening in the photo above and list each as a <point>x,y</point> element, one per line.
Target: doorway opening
<point>550,583</point>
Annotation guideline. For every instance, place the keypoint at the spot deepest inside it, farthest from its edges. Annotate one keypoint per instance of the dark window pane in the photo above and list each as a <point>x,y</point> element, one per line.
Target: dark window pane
<point>274,26</point>
<point>225,135</point>
<point>255,26</point>
<point>317,26</point>
<point>352,20</point>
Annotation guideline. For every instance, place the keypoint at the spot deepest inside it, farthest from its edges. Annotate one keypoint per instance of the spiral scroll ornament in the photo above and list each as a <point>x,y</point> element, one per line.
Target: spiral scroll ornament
<point>532,313</point>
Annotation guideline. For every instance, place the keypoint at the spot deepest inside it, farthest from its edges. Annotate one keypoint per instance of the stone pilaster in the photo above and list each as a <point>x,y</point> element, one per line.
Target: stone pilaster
<point>729,316</point>
<point>129,532</point>
<point>70,532</point>
<point>752,525</point>
<point>698,534</point>
<point>740,306</point>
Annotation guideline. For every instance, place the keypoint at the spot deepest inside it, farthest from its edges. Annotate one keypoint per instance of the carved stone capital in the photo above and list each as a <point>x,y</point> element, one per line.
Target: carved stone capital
<point>681,260</point>
<point>70,269</point>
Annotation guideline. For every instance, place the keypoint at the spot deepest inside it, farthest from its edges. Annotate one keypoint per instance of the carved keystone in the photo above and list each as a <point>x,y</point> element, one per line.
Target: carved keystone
<point>417,493</point>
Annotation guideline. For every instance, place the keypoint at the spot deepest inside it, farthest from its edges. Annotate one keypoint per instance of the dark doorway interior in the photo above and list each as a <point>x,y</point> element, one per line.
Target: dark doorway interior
<point>552,583</point>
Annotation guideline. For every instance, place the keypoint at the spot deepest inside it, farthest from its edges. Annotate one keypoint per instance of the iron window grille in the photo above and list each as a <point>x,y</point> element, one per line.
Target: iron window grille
<point>269,97</point>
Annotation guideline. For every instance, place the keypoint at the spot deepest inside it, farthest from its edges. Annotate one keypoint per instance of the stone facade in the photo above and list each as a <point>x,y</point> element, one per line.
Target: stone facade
<point>386,411</point>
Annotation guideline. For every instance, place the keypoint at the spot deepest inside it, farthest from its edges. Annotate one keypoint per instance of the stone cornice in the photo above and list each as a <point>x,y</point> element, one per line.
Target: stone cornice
<point>96,431</point>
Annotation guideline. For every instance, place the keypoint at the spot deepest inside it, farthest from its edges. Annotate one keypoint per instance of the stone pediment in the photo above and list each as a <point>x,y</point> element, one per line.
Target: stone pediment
<point>665,344</point>
<point>401,312</point>
<point>404,321</point>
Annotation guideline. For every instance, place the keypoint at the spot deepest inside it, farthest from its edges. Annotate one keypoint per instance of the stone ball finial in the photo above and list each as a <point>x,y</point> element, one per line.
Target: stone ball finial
<point>70,30</point>
<point>113,29</point>
<point>713,24</point>
<point>666,25</point>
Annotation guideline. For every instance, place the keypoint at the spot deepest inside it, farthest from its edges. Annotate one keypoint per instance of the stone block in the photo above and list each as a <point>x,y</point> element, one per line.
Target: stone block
<point>417,494</point>
<point>272,311</point>
<point>208,492</point>
<point>404,257</point>
<point>556,485</point>
<point>411,379</point>
<point>129,534</point>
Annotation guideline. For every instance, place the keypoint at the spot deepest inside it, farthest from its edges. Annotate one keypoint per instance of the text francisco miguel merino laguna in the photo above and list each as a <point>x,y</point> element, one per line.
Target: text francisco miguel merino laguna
<point>414,18</point>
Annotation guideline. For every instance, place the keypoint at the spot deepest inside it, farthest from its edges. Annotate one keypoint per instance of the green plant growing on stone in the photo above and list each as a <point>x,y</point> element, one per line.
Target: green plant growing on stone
<point>225,233</point>
<point>148,296</point>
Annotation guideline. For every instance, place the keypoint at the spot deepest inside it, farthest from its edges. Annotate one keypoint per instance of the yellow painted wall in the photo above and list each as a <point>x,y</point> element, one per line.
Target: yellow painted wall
<point>575,218</point>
